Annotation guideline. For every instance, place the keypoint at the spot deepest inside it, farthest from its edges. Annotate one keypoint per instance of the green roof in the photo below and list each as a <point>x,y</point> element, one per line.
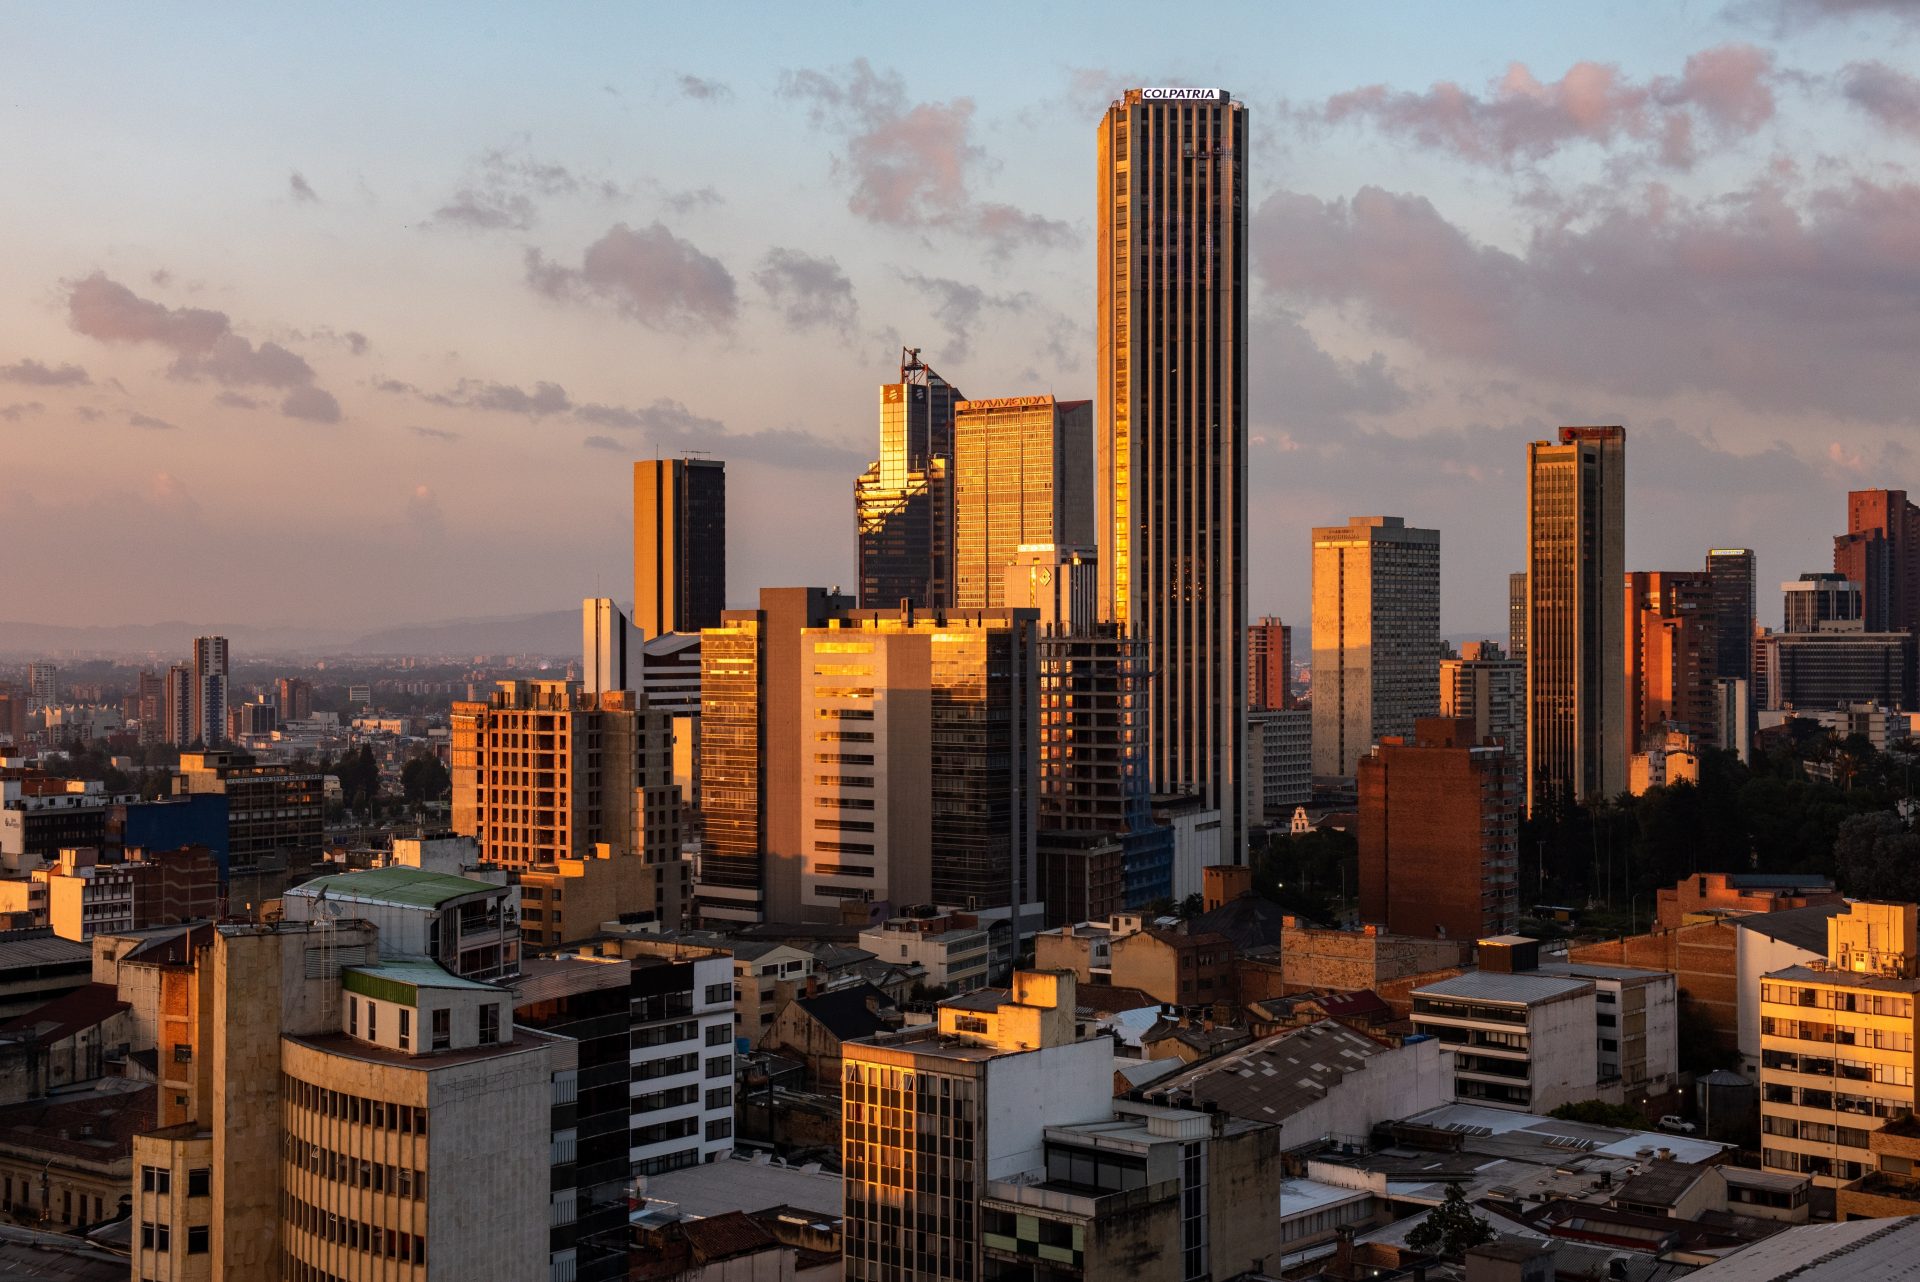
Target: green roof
<point>400,981</point>
<point>397,885</point>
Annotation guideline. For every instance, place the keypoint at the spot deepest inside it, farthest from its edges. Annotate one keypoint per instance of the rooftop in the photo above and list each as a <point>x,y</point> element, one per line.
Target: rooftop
<point>848,1012</point>
<point>419,973</point>
<point>1854,1251</point>
<point>743,1183</point>
<point>1804,928</point>
<point>22,949</point>
<point>1592,970</point>
<point>1661,1184</point>
<point>1523,989</point>
<point>1277,1076</point>
<point>524,1040</point>
<point>1847,979</point>
<point>408,887</point>
<point>64,1016</point>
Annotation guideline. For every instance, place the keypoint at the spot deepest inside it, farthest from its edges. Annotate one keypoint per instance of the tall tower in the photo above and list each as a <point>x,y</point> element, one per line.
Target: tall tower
<point>903,502</point>
<point>1022,477</point>
<point>1376,636</point>
<point>1730,574</point>
<point>1517,614</point>
<point>607,647</point>
<point>1576,624</point>
<point>679,544</point>
<point>1170,432</point>
<point>1881,552</point>
<point>1672,634</point>
<point>209,702</point>
<point>1269,665</point>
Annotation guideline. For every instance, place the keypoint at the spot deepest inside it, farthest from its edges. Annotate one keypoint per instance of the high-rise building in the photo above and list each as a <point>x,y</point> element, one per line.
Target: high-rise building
<point>1815,599</point>
<point>754,757</point>
<point>178,724</point>
<point>1170,427</point>
<point>275,815</point>
<point>1490,689</point>
<point>1881,552</point>
<point>1022,475</point>
<point>1576,626</point>
<point>1376,636</point>
<point>1731,573</point>
<point>1837,666</point>
<point>43,684</point>
<point>921,772</point>
<point>903,502</point>
<point>544,771</point>
<point>1672,633</point>
<point>296,698</point>
<point>1439,833</point>
<point>1269,665</point>
<point>935,1115</point>
<point>1517,615</point>
<point>605,636</point>
<point>149,707</point>
<point>679,544</point>
<point>209,691</point>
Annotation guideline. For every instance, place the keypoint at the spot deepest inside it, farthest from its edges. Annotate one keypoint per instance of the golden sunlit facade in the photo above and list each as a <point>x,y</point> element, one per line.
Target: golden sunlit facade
<point>679,544</point>
<point>1023,471</point>
<point>903,502</point>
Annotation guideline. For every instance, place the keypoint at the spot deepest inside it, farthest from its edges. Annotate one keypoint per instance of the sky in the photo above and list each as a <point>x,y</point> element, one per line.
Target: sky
<point>338,316</point>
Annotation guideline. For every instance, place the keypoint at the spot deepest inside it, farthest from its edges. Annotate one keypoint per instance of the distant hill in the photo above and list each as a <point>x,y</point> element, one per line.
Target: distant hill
<point>554,632</point>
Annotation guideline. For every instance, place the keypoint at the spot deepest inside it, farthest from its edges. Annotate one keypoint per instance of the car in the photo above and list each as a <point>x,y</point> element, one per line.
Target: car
<point>1675,1122</point>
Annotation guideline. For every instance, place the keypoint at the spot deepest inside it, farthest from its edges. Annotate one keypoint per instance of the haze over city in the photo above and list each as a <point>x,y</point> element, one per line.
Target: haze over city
<point>315,320</point>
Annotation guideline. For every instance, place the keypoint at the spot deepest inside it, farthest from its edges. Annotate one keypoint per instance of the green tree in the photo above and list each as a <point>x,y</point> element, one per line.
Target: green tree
<point>1450,1228</point>
<point>1596,1112</point>
<point>423,778</point>
<point>1878,857</point>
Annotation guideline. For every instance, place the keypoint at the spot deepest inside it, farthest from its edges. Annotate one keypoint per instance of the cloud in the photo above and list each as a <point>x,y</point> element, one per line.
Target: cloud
<point>19,410</point>
<point>151,423</point>
<point>808,291</point>
<point>1518,119</point>
<point>701,89</point>
<point>603,443</point>
<point>1890,96</point>
<point>913,165</point>
<point>34,374</point>
<point>960,307</point>
<point>300,189</point>
<point>502,189</point>
<point>236,401</point>
<point>202,341</point>
<point>434,433</point>
<point>1304,391</point>
<point>1785,16</point>
<point>506,398</point>
<point>1642,298</point>
<point>692,201</point>
<point>650,276</point>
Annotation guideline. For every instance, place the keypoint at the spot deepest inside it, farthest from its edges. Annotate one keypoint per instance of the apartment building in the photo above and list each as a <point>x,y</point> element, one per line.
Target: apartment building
<point>1523,1041</point>
<point>955,948</point>
<point>275,813</point>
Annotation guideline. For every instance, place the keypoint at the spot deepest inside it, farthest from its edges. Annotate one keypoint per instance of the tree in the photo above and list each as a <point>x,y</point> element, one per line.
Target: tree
<point>423,778</point>
<point>1451,1227</point>
<point>1596,1112</point>
<point>1878,857</point>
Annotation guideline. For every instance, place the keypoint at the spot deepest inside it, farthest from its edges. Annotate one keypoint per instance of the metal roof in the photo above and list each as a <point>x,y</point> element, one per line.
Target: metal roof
<point>1853,1251</point>
<point>1802,927</point>
<point>408,887</point>
<point>1591,970</point>
<point>1526,988</point>
<point>1275,1077</point>
<point>421,974</point>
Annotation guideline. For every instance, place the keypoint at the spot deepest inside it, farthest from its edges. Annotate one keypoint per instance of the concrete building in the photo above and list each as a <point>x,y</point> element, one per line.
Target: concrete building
<point>1285,760</point>
<point>1836,1045</point>
<point>1520,1041</point>
<point>1517,615</point>
<point>679,544</point>
<point>1733,717</point>
<point>1836,666</point>
<point>1172,968</point>
<point>1376,636</point>
<point>1816,599</point>
<point>1663,759</point>
<point>1732,582</point>
<point>1881,552</point>
<point>1739,893</point>
<point>1022,475</point>
<point>209,707</point>
<point>1269,665</point>
<point>1154,1193</point>
<point>606,639</point>
<point>295,698</point>
<point>955,948</point>
<point>1482,683</point>
<point>1671,657</point>
<point>469,927</point>
<point>755,758</point>
<point>903,502</point>
<point>1764,943</point>
<point>1439,829</point>
<point>43,684</point>
<point>40,816</point>
<point>1636,1018</point>
<point>84,896</point>
<point>1576,630</point>
<point>1170,428</point>
<point>544,771</point>
<point>933,1115</point>
<point>275,816</point>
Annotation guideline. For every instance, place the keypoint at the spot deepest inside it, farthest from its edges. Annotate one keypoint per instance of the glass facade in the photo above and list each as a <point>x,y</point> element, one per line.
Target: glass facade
<point>1022,476</point>
<point>903,502</point>
<point>732,696</point>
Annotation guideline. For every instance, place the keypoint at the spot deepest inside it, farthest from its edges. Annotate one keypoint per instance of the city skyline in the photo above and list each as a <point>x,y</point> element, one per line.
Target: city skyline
<point>542,291</point>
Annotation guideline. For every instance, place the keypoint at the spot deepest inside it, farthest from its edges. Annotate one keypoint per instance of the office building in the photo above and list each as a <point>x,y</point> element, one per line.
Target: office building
<point>1439,833</point>
<point>1490,688</point>
<point>1816,599</point>
<point>296,698</point>
<point>903,502</point>
<point>605,638</point>
<point>1286,760</point>
<point>275,815</point>
<point>209,725</point>
<point>1022,475</point>
<point>1637,1028</point>
<point>1670,655</point>
<point>178,726</point>
<point>679,544</point>
<point>1836,1045</point>
<point>754,756</point>
<point>1881,552</point>
<point>954,948</point>
<point>41,816</point>
<point>1376,636</point>
<point>1733,717</point>
<point>1517,615</point>
<point>43,685</point>
<point>1733,583</point>
<point>1837,666</point>
<point>922,774</point>
<point>1520,1040</point>
<point>544,771</point>
<point>1576,626</point>
<point>1170,428</point>
<point>147,705</point>
<point>1269,665</point>
<point>933,1115</point>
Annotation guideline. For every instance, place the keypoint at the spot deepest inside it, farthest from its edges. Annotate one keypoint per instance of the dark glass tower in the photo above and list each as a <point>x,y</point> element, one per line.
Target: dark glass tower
<point>1170,432</point>
<point>903,502</point>
<point>679,544</point>
<point>1730,574</point>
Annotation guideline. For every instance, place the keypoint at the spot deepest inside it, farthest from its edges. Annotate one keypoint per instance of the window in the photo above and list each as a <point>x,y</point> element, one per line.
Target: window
<point>156,1179</point>
<point>442,1029</point>
<point>353,1016</point>
<point>373,1022</point>
<point>197,1240</point>
<point>720,1066</point>
<point>720,1128</point>
<point>722,1097</point>
<point>718,1035</point>
<point>200,1181</point>
<point>406,1029</point>
<point>156,1237</point>
<point>719,993</point>
<point>489,1024</point>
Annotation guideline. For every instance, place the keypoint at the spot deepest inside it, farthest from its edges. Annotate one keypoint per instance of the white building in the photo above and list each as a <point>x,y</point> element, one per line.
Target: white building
<point>471,927</point>
<point>1764,943</point>
<point>1637,1013</point>
<point>1522,1041</point>
<point>955,948</point>
<point>682,1059</point>
<point>1285,757</point>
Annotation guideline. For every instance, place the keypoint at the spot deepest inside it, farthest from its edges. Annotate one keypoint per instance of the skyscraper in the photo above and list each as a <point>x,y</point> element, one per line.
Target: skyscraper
<point>177,728</point>
<point>1815,599</point>
<point>1490,689</point>
<point>679,544</point>
<point>1576,626</point>
<point>903,502</point>
<point>1376,636</point>
<point>1881,552</point>
<point>209,690</point>
<point>1517,615</point>
<point>1269,665</point>
<point>1730,571</point>
<point>43,684</point>
<point>607,647</point>
<point>1022,476</point>
<point>1170,434</point>
<point>1672,635</point>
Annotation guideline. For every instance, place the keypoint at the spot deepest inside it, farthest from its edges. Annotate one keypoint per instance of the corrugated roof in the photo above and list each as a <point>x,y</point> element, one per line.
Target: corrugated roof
<point>1525,988</point>
<point>1802,927</point>
<point>1277,1076</point>
<point>1853,1251</point>
<point>420,974</point>
<point>62,1017</point>
<point>729,1234</point>
<point>41,947</point>
<point>414,887</point>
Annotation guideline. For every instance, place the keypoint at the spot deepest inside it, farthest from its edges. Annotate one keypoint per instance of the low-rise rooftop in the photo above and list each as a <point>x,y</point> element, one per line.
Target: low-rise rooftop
<point>1524,988</point>
<point>397,884</point>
